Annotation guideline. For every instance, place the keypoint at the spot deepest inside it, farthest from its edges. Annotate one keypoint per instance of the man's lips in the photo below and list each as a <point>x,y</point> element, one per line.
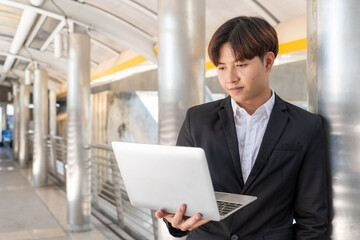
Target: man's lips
<point>236,89</point>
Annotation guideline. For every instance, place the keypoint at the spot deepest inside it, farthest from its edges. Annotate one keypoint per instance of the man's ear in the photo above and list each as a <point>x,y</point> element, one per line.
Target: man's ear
<point>269,60</point>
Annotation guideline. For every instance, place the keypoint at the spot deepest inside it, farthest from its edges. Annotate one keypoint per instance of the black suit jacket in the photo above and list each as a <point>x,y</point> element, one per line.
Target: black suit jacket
<point>288,177</point>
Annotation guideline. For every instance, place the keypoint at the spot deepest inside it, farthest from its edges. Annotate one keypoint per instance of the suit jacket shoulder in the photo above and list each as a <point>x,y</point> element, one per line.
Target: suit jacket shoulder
<point>299,118</point>
<point>209,108</point>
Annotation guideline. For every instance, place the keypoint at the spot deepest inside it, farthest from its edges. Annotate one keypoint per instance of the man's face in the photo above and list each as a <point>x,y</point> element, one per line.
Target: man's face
<point>247,82</point>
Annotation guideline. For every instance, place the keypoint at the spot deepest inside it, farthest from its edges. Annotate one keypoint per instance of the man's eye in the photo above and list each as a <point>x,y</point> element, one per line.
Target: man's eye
<point>240,65</point>
<point>221,68</point>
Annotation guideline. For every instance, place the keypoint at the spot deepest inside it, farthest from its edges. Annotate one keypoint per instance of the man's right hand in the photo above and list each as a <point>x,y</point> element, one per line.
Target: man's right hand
<point>178,220</point>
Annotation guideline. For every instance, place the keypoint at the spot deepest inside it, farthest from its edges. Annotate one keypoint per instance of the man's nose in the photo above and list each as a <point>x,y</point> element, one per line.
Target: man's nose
<point>232,76</point>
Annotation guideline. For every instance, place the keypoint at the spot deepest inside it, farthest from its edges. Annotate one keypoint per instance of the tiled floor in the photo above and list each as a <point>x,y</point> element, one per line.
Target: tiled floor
<point>36,213</point>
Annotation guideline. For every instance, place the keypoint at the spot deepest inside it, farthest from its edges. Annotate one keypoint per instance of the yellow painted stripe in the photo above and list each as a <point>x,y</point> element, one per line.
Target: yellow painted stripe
<point>209,65</point>
<point>287,47</point>
<point>124,65</point>
<point>292,46</point>
<point>156,48</point>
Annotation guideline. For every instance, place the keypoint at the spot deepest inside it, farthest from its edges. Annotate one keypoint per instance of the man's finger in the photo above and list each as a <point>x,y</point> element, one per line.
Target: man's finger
<point>191,222</point>
<point>162,214</point>
<point>179,216</point>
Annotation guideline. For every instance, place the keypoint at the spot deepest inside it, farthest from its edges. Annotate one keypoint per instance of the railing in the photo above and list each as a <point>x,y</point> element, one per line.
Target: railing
<point>109,196</point>
<point>57,153</point>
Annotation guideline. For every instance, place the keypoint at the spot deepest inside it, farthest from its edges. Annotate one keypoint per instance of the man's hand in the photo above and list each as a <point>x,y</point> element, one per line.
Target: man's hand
<point>178,220</point>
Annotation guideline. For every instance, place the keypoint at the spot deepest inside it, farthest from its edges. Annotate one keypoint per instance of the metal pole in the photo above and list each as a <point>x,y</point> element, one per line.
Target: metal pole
<point>40,111</point>
<point>24,122</point>
<point>3,116</point>
<point>333,64</point>
<point>181,58</point>
<point>52,130</point>
<point>181,63</point>
<point>16,121</point>
<point>78,185</point>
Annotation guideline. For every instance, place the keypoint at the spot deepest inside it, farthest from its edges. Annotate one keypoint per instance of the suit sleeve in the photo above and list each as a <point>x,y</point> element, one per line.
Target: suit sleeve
<point>184,139</point>
<point>311,199</point>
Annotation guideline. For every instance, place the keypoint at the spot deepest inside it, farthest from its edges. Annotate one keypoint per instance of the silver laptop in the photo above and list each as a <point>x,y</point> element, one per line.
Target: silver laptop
<point>164,177</point>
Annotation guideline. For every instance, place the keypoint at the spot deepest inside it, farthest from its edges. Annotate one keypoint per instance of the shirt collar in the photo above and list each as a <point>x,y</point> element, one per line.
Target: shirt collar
<point>268,106</point>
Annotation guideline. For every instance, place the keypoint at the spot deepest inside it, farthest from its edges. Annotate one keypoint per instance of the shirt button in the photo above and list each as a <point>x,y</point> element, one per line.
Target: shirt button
<point>234,237</point>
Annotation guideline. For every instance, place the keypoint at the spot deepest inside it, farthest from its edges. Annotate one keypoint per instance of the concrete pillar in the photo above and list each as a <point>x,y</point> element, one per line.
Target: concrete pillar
<point>24,120</point>
<point>334,69</point>
<point>3,116</point>
<point>52,129</point>
<point>16,121</point>
<point>40,112</point>
<point>181,59</point>
<point>78,185</point>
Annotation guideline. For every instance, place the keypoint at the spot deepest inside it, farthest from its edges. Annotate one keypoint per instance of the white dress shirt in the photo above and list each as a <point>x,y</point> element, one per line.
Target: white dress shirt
<point>250,131</point>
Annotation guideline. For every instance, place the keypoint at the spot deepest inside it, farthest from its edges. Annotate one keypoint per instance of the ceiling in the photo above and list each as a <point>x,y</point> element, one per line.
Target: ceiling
<point>27,32</point>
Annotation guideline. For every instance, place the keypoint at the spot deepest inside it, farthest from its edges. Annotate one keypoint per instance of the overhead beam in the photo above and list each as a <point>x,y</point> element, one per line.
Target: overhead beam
<point>16,56</point>
<point>141,8</point>
<point>100,21</point>
<point>11,15</point>
<point>10,9</point>
<point>95,41</point>
<point>23,6</point>
<point>45,59</point>
<point>15,73</point>
<point>35,30</point>
<point>105,23</point>
<point>23,28</point>
<point>20,74</point>
<point>7,29</point>
<point>9,19</point>
<point>25,24</point>
<point>263,12</point>
<point>58,28</point>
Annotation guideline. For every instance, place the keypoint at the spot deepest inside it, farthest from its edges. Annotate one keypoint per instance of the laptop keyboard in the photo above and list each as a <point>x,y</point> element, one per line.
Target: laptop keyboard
<point>226,207</point>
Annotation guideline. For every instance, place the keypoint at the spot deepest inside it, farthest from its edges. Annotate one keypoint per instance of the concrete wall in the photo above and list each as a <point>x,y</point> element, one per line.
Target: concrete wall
<point>129,120</point>
<point>146,81</point>
<point>289,81</point>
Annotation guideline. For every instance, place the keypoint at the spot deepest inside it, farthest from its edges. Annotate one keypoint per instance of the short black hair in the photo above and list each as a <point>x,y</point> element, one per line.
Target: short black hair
<point>248,37</point>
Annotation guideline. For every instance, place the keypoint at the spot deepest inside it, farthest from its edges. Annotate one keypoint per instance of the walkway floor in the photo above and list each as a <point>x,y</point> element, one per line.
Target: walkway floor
<point>36,213</point>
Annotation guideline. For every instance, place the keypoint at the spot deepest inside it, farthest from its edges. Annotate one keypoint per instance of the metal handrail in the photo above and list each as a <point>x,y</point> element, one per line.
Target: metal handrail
<point>126,212</point>
<point>107,188</point>
<point>57,154</point>
<point>107,148</point>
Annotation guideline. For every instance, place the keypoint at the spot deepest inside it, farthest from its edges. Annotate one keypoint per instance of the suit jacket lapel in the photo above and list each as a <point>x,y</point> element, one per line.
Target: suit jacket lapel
<point>274,129</point>
<point>227,121</point>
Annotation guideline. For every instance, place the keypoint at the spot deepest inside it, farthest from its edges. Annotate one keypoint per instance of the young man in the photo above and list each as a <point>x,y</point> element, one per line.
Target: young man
<point>256,144</point>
